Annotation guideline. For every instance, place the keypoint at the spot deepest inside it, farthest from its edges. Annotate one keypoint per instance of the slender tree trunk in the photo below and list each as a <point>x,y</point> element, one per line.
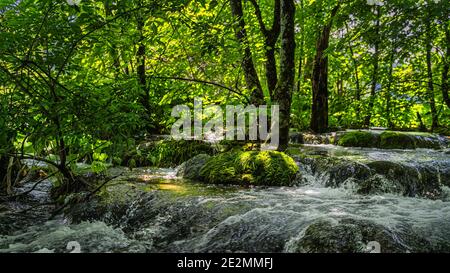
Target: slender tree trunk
<point>422,126</point>
<point>61,144</point>
<point>113,50</point>
<point>388,92</point>
<point>430,89</point>
<point>375,64</point>
<point>141,72</point>
<point>270,40</point>
<point>250,74</point>
<point>302,44</point>
<point>285,87</point>
<point>445,70</point>
<point>319,114</point>
<point>357,83</point>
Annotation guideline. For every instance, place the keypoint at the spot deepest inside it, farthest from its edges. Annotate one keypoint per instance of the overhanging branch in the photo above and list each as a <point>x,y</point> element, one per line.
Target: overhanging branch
<point>203,82</point>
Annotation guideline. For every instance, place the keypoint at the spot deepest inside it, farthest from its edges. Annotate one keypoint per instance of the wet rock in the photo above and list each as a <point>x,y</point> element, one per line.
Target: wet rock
<point>54,237</point>
<point>397,140</point>
<point>296,138</point>
<point>390,140</point>
<point>377,177</point>
<point>430,142</point>
<point>357,236</point>
<point>443,173</point>
<point>401,178</point>
<point>346,170</point>
<point>328,138</point>
<point>191,168</point>
<point>378,184</point>
<point>334,171</point>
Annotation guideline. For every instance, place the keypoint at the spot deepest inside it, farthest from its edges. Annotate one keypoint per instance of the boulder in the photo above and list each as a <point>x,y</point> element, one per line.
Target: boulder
<point>191,168</point>
<point>269,168</point>
<point>350,235</point>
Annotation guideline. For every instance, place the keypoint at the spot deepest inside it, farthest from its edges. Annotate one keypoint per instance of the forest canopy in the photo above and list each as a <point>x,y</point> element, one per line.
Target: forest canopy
<point>93,77</point>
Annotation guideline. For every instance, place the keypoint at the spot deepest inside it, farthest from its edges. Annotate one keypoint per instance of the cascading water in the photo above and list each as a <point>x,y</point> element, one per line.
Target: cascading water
<point>347,200</point>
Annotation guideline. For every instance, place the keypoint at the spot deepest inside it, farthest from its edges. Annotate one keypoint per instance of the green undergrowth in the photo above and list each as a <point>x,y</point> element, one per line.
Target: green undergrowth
<point>269,168</point>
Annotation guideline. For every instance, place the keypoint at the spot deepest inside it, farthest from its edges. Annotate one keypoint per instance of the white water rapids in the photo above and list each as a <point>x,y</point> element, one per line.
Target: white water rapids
<point>154,211</point>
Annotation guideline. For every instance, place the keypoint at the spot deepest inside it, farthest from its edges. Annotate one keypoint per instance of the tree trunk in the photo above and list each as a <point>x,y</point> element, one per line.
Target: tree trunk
<point>445,82</point>
<point>251,77</point>
<point>375,64</point>
<point>141,73</point>
<point>270,40</point>
<point>301,53</point>
<point>422,127</point>
<point>271,70</point>
<point>113,50</point>
<point>319,114</point>
<point>283,92</point>
<point>388,92</point>
<point>357,83</point>
<point>430,89</point>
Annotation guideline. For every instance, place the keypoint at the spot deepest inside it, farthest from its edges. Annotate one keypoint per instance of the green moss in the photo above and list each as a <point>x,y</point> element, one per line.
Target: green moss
<point>250,167</point>
<point>350,235</point>
<point>229,145</point>
<point>389,140</point>
<point>397,140</point>
<point>358,139</point>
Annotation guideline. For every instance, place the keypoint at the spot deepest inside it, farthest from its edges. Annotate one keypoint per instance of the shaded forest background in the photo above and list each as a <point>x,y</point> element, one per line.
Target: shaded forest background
<point>94,77</point>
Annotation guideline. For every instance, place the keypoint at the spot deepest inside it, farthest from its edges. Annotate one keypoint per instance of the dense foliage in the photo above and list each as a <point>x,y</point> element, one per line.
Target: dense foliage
<point>92,78</point>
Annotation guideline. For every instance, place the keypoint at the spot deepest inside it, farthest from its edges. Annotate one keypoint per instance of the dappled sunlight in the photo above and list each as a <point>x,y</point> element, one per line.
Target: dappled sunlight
<point>173,187</point>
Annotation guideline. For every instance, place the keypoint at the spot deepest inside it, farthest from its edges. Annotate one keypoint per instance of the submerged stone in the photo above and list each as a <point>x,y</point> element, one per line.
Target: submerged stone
<point>377,177</point>
<point>89,237</point>
<point>357,236</point>
<point>400,178</point>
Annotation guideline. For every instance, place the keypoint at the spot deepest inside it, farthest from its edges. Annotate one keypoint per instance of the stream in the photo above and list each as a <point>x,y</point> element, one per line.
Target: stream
<point>405,208</point>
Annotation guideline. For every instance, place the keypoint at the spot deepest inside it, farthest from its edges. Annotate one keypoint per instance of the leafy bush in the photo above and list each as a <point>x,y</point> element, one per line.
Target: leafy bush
<point>170,153</point>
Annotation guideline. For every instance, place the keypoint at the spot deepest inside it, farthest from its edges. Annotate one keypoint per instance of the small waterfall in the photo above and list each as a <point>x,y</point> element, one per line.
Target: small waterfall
<point>372,171</point>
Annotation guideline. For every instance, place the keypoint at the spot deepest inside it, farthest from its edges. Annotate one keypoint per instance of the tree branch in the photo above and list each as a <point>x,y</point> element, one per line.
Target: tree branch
<point>204,82</point>
<point>258,14</point>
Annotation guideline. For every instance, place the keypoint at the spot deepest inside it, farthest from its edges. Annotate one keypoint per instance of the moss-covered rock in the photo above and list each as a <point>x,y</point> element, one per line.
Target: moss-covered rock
<point>243,145</point>
<point>191,168</point>
<point>333,171</point>
<point>429,142</point>
<point>376,177</point>
<point>296,138</point>
<point>358,139</point>
<point>397,140</point>
<point>250,168</point>
<point>392,177</point>
<point>353,236</point>
<point>391,140</point>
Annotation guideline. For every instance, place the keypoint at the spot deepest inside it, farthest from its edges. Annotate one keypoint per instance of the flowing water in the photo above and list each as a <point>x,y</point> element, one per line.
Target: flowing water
<point>331,210</point>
